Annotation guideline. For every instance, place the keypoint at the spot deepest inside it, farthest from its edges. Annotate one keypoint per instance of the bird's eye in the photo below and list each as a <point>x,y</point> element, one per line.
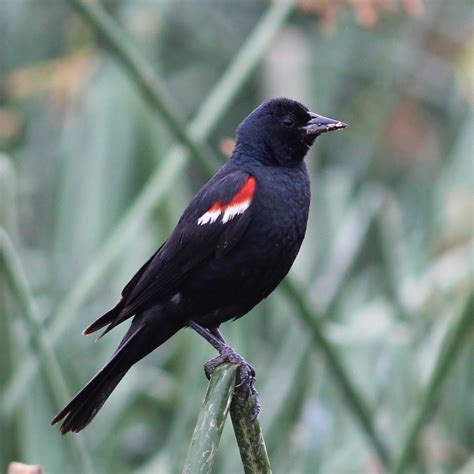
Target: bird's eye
<point>288,122</point>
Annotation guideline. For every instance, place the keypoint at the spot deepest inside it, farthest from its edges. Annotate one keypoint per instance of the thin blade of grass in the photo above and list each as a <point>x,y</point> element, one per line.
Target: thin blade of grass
<point>354,399</point>
<point>352,238</point>
<point>450,349</point>
<point>8,182</point>
<point>40,346</point>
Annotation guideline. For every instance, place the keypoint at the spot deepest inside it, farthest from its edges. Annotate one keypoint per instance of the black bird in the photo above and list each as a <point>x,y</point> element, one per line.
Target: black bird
<point>232,246</point>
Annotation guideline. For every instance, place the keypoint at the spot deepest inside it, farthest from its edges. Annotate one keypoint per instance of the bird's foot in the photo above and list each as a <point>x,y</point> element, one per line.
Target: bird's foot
<point>246,374</point>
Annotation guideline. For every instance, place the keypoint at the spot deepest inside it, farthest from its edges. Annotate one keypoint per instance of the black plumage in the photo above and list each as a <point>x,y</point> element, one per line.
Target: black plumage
<point>232,246</point>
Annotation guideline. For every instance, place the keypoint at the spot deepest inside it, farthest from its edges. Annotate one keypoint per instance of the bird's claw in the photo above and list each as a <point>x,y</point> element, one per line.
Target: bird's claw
<point>246,376</point>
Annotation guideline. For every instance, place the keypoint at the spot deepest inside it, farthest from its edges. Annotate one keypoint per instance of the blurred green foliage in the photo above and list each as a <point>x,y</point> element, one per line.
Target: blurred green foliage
<point>385,270</point>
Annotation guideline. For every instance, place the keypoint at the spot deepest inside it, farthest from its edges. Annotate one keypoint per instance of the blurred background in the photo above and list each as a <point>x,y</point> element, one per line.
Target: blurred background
<point>91,183</point>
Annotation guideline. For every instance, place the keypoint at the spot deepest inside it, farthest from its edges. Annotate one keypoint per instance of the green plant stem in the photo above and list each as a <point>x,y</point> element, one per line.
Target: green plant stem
<point>8,192</point>
<point>143,76</point>
<point>53,376</point>
<point>388,267</point>
<point>211,420</point>
<point>353,398</point>
<point>163,178</point>
<point>249,436</point>
<point>450,349</point>
<point>358,222</point>
<point>10,351</point>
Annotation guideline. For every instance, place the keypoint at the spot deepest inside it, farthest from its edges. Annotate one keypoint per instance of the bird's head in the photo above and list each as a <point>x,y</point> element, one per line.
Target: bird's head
<point>283,130</point>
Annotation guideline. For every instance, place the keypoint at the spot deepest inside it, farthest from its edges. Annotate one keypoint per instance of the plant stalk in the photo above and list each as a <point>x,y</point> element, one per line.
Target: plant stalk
<point>354,399</point>
<point>249,436</point>
<point>53,377</point>
<point>211,420</point>
<point>450,349</point>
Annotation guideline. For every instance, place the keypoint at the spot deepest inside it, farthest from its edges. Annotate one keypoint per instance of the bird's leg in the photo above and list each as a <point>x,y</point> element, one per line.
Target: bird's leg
<point>227,354</point>
<point>215,332</point>
<point>214,338</point>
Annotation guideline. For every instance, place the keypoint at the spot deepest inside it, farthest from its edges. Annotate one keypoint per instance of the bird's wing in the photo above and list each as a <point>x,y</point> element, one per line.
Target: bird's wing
<point>210,227</point>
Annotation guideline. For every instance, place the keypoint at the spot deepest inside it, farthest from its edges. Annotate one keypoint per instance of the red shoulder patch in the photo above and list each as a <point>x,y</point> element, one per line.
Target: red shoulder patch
<point>237,205</point>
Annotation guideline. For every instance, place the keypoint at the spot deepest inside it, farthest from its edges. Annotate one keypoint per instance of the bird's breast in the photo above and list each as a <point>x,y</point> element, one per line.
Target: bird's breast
<point>281,205</point>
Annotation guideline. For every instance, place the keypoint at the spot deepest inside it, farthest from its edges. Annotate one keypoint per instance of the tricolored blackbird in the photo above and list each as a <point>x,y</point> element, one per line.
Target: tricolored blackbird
<point>232,246</point>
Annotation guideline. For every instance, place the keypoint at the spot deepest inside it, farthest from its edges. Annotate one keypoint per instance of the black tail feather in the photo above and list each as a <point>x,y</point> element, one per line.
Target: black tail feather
<point>80,411</point>
<point>148,331</point>
<point>106,319</point>
<point>86,404</point>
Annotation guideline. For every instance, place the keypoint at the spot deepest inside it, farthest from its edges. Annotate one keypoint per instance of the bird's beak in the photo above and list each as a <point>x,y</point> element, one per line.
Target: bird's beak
<point>319,124</point>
